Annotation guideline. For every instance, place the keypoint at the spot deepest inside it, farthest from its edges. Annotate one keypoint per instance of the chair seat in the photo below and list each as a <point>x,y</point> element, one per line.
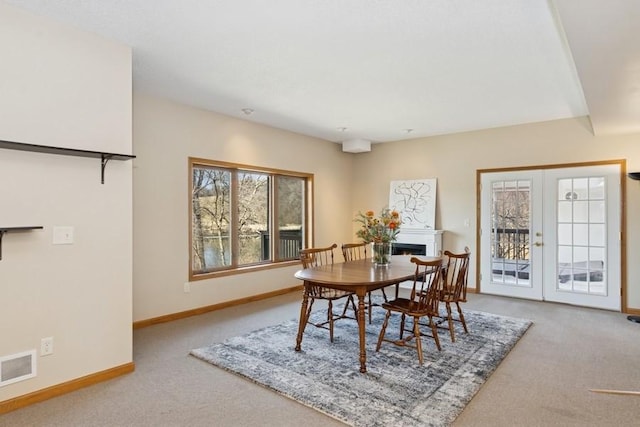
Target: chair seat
<point>447,296</point>
<point>397,304</point>
<point>327,293</point>
<point>404,305</point>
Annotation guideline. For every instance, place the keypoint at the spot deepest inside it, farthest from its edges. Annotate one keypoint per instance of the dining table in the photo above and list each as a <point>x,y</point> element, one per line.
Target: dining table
<point>360,277</point>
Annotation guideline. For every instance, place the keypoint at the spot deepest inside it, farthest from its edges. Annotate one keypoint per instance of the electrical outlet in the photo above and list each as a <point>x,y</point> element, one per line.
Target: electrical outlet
<point>187,287</point>
<point>46,346</point>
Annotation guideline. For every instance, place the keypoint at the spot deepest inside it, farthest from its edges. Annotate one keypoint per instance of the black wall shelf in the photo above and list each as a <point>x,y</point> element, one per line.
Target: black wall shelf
<point>4,230</point>
<point>634,175</point>
<point>103,156</point>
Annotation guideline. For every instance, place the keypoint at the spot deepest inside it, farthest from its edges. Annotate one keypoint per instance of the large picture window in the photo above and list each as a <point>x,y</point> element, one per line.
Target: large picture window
<point>245,217</point>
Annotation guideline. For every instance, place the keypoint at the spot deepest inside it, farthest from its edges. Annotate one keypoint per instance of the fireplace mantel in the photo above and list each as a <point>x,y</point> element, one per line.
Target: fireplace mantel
<point>432,239</point>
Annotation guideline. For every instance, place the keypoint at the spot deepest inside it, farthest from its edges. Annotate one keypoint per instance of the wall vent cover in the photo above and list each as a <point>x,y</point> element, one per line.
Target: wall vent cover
<point>17,367</point>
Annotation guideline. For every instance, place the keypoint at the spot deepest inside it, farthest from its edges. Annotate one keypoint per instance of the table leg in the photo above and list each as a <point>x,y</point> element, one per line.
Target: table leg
<point>361,330</point>
<point>303,317</point>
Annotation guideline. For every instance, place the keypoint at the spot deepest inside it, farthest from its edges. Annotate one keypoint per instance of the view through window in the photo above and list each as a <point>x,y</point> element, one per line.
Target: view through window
<point>244,216</point>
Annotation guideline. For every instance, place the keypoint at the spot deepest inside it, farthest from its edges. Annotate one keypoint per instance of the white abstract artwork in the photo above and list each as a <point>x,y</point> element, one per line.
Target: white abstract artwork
<point>416,202</point>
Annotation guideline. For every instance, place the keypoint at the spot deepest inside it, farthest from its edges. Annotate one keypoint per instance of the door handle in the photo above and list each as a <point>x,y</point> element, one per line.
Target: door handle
<point>538,244</point>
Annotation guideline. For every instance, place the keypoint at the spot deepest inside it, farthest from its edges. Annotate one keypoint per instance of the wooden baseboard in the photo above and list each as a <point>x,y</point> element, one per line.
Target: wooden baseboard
<point>634,311</point>
<point>201,310</point>
<point>627,310</point>
<point>66,387</point>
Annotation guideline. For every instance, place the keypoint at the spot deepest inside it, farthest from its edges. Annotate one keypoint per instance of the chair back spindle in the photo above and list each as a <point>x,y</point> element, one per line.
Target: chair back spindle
<point>426,285</point>
<point>315,257</point>
<point>457,273</point>
<point>454,288</point>
<point>354,251</point>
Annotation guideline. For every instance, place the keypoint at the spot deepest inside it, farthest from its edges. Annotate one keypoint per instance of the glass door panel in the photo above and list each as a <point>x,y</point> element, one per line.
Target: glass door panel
<point>510,232</point>
<point>509,228</point>
<point>581,210</point>
<point>586,253</point>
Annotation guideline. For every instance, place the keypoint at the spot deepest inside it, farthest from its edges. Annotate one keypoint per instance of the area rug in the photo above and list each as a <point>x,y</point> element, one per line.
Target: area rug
<point>395,390</point>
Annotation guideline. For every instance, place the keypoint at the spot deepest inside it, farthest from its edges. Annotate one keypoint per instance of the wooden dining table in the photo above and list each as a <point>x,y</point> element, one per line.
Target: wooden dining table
<point>360,277</point>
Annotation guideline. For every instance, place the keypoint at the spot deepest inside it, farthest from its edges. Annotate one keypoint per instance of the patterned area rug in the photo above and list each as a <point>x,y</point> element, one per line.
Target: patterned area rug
<point>396,390</point>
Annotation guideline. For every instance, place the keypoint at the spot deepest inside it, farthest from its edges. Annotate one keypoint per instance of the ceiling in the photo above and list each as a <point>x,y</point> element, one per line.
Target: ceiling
<point>380,70</point>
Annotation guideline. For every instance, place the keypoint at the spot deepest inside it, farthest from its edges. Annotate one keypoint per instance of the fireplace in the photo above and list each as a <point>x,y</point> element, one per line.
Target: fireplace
<point>417,242</point>
<point>408,249</point>
<point>413,241</point>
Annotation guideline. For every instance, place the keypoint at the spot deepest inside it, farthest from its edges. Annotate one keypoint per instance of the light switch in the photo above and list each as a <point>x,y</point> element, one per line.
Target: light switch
<point>62,235</point>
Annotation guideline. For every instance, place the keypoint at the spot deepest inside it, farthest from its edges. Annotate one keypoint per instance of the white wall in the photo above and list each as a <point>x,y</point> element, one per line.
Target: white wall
<point>63,87</point>
<point>166,134</point>
<point>454,159</point>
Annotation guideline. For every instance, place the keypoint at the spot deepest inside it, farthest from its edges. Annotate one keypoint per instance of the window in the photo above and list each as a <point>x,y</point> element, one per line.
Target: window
<point>245,217</point>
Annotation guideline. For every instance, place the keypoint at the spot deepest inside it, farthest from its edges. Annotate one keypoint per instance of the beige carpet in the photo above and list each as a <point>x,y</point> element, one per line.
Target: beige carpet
<point>543,381</point>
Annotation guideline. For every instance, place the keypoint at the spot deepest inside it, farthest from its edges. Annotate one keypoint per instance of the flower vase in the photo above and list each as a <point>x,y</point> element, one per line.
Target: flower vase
<point>381,254</point>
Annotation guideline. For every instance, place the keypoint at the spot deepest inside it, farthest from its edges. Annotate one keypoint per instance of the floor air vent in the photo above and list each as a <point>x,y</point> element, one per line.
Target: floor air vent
<point>17,367</point>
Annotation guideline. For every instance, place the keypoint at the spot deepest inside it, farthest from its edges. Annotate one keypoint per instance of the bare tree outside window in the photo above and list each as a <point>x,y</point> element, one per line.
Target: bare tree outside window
<point>233,216</point>
<point>211,218</point>
<point>253,215</point>
<point>511,220</point>
<point>291,196</point>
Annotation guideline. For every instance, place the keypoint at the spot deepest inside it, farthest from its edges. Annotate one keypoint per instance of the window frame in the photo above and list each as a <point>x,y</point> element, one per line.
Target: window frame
<point>234,269</point>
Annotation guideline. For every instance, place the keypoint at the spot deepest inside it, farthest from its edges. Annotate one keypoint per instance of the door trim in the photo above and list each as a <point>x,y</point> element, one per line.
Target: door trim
<point>623,215</point>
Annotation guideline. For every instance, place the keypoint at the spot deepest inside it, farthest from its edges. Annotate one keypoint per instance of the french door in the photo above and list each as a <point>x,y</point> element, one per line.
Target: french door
<point>552,234</point>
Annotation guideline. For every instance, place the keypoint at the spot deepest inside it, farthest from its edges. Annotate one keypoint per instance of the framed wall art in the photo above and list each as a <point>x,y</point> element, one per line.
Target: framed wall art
<point>416,202</point>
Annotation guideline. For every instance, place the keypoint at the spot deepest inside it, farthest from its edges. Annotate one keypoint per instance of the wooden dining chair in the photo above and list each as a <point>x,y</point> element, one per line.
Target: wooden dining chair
<point>422,304</point>
<point>354,251</point>
<point>358,251</point>
<point>454,287</point>
<point>313,257</point>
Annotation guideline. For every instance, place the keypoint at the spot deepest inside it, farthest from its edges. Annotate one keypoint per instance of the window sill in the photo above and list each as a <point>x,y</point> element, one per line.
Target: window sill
<point>243,270</point>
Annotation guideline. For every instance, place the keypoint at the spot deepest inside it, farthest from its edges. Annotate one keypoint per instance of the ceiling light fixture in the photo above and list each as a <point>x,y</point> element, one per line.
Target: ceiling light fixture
<point>407,130</point>
<point>247,111</point>
<point>356,146</point>
<point>342,129</point>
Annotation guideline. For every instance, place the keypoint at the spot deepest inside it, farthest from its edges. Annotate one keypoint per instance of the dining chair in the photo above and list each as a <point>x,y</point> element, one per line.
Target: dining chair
<point>358,251</point>
<point>423,303</point>
<point>313,257</point>
<point>454,287</point>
